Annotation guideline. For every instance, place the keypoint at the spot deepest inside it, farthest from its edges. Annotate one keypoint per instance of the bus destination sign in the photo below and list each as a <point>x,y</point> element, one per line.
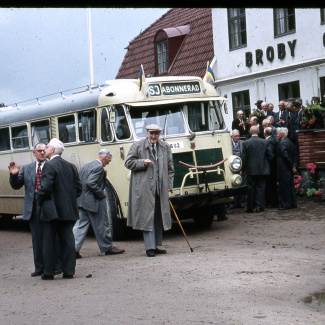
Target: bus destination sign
<point>174,88</point>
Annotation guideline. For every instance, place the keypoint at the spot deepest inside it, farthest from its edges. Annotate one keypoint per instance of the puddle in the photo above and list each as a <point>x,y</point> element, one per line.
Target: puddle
<point>316,300</point>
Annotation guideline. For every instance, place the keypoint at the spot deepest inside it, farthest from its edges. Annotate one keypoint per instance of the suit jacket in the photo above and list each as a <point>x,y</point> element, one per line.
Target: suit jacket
<point>256,156</point>
<point>273,144</point>
<point>93,180</point>
<point>261,133</point>
<point>238,150</point>
<point>291,125</point>
<point>235,126</point>
<point>285,156</point>
<point>277,119</point>
<point>60,187</point>
<point>26,178</point>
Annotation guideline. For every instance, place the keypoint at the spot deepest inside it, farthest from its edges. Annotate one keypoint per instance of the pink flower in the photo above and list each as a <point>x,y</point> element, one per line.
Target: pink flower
<point>297,185</point>
<point>301,189</point>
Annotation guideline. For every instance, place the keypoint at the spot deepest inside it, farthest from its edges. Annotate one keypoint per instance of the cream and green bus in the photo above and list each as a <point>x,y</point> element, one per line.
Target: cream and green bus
<point>113,116</point>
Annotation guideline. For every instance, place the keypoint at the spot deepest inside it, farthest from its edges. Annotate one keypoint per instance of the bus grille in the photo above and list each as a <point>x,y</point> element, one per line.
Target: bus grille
<point>203,157</point>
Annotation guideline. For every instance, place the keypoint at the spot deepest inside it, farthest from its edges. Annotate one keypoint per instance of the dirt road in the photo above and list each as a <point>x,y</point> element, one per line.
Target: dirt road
<point>264,268</point>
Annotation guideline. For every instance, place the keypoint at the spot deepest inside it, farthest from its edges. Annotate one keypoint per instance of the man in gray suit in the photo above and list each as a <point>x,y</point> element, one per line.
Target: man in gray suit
<point>92,206</point>
<point>28,178</point>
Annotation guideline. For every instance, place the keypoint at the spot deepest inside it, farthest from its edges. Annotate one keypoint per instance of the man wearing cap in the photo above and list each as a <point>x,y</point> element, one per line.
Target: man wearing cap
<point>152,174</point>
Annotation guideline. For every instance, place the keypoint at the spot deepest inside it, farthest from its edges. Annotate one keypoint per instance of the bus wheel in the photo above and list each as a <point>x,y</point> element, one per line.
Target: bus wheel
<point>117,223</point>
<point>5,218</point>
<point>204,217</point>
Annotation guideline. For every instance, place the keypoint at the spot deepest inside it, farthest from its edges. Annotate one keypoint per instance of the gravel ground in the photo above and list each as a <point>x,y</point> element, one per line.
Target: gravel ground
<point>263,268</point>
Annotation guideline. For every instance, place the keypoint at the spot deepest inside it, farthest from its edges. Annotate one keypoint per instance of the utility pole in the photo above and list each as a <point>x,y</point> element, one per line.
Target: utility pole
<point>90,44</point>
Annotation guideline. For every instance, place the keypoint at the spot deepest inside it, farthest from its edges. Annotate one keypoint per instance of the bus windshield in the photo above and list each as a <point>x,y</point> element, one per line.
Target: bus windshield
<point>201,116</point>
<point>168,117</point>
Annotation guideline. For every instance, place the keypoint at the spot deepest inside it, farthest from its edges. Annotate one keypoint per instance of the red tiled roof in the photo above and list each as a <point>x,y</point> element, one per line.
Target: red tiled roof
<point>195,51</point>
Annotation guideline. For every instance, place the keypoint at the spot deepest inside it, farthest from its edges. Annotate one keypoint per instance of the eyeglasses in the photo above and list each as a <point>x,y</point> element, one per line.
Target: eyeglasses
<point>40,151</point>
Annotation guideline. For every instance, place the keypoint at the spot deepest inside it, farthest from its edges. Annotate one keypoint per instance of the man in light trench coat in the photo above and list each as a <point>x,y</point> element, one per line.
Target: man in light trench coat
<point>152,174</point>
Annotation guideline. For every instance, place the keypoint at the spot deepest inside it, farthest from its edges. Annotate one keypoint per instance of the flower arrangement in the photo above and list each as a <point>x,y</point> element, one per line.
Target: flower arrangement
<point>310,187</point>
<point>313,114</point>
<point>260,115</point>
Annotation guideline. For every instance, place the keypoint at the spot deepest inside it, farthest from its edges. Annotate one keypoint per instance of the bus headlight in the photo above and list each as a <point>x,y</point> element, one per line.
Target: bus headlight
<point>237,180</point>
<point>235,163</point>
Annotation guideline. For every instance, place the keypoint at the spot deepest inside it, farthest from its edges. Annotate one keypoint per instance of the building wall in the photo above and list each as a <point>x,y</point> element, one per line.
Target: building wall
<point>262,80</point>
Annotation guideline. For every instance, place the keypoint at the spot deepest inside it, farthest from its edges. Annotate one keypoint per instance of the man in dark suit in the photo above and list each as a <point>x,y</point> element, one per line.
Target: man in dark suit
<point>291,120</point>
<point>254,121</point>
<point>239,124</point>
<point>286,169</point>
<point>256,157</point>
<point>93,206</point>
<point>30,178</point>
<point>270,108</point>
<point>280,117</point>
<point>60,187</point>
<point>271,190</point>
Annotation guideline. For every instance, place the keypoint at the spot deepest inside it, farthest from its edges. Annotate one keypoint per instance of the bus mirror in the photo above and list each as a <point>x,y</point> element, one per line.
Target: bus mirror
<point>112,117</point>
<point>225,107</point>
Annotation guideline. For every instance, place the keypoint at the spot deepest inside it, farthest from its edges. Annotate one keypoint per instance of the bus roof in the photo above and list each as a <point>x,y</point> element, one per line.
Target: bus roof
<point>111,93</point>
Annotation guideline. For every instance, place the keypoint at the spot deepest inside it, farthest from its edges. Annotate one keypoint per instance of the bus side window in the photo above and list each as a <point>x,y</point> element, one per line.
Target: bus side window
<point>67,129</point>
<point>87,126</point>
<point>105,129</point>
<point>40,132</point>
<point>4,139</point>
<point>121,125</point>
<point>19,136</point>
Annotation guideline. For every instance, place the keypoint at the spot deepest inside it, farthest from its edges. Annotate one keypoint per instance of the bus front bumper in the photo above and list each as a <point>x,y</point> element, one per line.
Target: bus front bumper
<point>183,202</point>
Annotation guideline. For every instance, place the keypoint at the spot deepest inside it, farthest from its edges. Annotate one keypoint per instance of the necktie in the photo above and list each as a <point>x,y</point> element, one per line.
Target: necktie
<point>38,177</point>
<point>157,168</point>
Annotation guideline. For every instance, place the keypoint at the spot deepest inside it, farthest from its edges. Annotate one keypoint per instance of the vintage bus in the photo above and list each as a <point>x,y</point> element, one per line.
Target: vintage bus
<point>115,115</point>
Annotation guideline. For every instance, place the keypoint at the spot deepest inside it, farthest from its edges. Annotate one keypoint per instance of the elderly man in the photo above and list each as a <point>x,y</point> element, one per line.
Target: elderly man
<point>30,177</point>
<point>60,187</point>
<point>239,124</point>
<point>267,123</point>
<point>254,121</point>
<point>256,157</point>
<point>237,149</point>
<point>271,191</point>
<point>280,117</point>
<point>291,120</point>
<point>152,174</point>
<point>270,108</point>
<point>286,169</point>
<point>93,206</point>
<point>264,108</point>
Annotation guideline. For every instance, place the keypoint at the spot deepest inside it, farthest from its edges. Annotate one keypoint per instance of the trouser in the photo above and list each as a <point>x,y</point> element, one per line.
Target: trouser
<point>62,229</point>
<point>153,238</point>
<point>99,222</point>
<point>37,231</point>
<point>256,192</point>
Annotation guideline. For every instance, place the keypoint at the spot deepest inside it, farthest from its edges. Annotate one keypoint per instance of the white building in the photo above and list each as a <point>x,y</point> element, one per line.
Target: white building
<point>268,54</point>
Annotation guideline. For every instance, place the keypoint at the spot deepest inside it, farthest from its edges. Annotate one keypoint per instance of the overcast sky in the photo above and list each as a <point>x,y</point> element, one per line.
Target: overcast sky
<point>45,51</point>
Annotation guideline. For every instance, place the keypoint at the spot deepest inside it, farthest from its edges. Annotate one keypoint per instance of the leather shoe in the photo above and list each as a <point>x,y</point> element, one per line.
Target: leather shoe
<point>151,252</point>
<point>249,211</point>
<point>36,274</point>
<point>282,209</point>
<point>160,251</point>
<point>47,277</point>
<point>78,255</point>
<point>56,272</point>
<point>115,251</point>
<point>259,210</point>
<point>67,276</point>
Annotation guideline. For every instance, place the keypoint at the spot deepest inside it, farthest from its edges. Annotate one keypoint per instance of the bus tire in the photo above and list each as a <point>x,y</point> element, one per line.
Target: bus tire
<point>5,219</point>
<point>117,225</point>
<point>203,217</point>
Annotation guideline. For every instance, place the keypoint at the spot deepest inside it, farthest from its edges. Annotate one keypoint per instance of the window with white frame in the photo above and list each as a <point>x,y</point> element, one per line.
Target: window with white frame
<point>241,101</point>
<point>237,28</point>
<point>284,21</point>
<point>162,54</point>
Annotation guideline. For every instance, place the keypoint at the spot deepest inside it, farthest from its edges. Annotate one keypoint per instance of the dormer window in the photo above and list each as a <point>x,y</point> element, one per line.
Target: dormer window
<point>162,57</point>
<point>168,41</point>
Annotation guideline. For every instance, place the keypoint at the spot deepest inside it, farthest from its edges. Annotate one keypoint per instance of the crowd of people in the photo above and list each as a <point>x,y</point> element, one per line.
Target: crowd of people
<point>268,147</point>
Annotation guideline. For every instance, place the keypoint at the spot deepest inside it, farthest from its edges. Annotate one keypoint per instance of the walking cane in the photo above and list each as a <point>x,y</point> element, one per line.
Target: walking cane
<point>180,225</point>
